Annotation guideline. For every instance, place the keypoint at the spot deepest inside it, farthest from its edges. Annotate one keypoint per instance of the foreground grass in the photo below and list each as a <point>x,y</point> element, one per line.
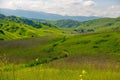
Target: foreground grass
<point>42,72</point>
<point>70,68</point>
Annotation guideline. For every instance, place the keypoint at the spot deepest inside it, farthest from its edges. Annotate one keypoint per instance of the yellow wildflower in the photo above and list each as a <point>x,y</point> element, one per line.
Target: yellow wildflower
<point>84,72</point>
<point>36,59</point>
<point>81,75</point>
<point>81,79</point>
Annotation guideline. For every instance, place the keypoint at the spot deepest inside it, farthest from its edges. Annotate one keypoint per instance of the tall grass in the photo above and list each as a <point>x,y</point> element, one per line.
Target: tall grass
<point>46,73</point>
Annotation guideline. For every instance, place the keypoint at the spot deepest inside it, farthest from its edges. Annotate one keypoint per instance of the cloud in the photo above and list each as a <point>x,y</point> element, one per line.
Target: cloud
<point>63,7</point>
<point>111,11</point>
<point>89,3</point>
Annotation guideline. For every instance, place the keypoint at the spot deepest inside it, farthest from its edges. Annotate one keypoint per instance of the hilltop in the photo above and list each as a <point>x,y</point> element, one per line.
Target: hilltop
<point>12,27</point>
<point>100,25</point>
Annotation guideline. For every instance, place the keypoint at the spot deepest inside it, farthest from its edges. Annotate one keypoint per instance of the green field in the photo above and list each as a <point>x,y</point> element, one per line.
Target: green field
<point>63,57</point>
<point>31,50</point>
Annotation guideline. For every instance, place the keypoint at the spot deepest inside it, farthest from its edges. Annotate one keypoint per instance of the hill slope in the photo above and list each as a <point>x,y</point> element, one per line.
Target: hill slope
<point>103,24</point>
<point>100,48</point>
<point>12,27</point>
<point>26,21</point>
<point>12,30</point>
<point>66,23</point>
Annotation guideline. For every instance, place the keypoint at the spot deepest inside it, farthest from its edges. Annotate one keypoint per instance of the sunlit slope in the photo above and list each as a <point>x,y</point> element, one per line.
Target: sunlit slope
<point>12,30</point>
<point>100,25</point>
<point>91,45</point>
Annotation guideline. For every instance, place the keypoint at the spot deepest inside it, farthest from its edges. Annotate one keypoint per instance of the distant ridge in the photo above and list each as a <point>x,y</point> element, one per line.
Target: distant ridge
<point>43,15</point>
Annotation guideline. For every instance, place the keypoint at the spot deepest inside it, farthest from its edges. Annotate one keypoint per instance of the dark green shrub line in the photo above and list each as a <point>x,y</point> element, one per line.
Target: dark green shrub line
<point>37,61</point>
<point>41,61</point>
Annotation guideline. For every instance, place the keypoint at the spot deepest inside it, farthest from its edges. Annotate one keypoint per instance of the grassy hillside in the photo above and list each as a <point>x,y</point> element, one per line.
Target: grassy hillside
<point>96,44</point>
<point>26,21</point>
<point>95,56</point>
<point>11,30</point>
<point>103,24</point>
<point>12,27</point>
<point>22,51</point>
<point>66,23</point>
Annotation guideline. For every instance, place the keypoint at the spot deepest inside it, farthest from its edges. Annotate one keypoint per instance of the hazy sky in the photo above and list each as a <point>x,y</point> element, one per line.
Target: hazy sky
<point>109,8</point>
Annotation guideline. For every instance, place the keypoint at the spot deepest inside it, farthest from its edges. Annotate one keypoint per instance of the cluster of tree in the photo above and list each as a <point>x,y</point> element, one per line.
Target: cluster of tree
<point>82,30</point>
<point>66,23</point>
<point>26,21</point>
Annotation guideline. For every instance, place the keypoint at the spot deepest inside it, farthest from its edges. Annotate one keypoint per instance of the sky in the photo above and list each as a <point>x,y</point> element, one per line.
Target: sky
<point>103,8</point>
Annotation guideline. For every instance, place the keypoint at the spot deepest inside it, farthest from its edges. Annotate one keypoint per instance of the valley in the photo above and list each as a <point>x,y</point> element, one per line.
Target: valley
<point>58,50</point>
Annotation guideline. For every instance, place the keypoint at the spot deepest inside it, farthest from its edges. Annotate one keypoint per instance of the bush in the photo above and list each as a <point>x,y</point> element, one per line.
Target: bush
<point>2,32</point>
<point>95,46</point>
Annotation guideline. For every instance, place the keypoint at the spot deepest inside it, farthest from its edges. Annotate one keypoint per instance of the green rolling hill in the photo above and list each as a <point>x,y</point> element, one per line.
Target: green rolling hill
<point>66,23</point>
<point>26,21</point>
<point>103,24</point>
<point>12,27</point>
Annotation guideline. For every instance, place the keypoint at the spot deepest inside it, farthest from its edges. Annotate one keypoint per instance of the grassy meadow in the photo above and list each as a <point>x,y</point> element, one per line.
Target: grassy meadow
<point>89,56</point>
<point>32,50</point>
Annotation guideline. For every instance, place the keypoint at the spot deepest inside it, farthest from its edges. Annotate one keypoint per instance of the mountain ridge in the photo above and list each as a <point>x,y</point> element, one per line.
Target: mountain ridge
<point>44,15</point>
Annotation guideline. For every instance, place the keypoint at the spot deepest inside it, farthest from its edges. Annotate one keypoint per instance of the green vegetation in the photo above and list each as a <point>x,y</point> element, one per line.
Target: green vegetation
<point>100,25</point>
<point>26,21</point>
<point>22,51</point>
<point>50,53</point>
<point>66,23</point>
<point>45,73</point>
<point>12,27</point>
<point>97,53</point>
